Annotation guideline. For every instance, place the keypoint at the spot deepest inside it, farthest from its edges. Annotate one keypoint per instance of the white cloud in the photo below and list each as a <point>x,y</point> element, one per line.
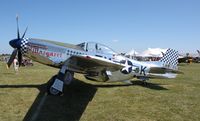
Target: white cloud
<point>115,40</point>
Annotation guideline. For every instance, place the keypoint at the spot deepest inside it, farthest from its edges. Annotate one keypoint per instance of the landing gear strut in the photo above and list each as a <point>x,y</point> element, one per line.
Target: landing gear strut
<point>56,85</point>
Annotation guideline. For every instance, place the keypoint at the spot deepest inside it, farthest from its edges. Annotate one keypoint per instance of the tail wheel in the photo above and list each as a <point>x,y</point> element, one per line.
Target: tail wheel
<point>104,76</point>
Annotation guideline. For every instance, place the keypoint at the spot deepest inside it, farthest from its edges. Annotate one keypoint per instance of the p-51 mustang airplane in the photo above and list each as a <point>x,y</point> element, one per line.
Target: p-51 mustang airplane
<point>94,60</point>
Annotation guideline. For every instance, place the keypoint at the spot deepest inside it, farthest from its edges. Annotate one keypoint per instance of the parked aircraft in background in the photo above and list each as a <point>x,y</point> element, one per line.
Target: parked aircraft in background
<point>185,59</point>
<point>96,61</point>
<point>197,58</point>
<point>190,58</point>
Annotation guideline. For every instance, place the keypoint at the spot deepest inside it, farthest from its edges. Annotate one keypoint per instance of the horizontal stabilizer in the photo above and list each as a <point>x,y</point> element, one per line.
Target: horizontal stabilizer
<point>163,76</point>
<point>160,70</point>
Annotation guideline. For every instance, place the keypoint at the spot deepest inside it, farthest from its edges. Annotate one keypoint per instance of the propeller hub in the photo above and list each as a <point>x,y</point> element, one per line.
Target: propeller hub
<point>15,43</point>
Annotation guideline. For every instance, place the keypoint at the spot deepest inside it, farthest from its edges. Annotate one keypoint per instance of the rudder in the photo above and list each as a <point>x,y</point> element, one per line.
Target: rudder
<point>170,59</point>
<point>198,52</point>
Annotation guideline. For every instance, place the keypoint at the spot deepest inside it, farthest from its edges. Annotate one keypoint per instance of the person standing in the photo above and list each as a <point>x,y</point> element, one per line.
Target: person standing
<point>16,65</point>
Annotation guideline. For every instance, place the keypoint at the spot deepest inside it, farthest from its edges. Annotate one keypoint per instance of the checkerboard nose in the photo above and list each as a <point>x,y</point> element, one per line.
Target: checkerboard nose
<point>24,45</point>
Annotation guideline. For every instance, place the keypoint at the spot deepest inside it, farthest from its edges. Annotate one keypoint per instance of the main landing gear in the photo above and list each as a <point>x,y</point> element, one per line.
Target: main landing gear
<point>64,76</point>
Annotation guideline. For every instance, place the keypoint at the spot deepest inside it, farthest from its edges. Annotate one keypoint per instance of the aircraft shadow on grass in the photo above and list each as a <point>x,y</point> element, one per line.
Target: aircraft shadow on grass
<point>134,83</point>
<point>68,107</point>
<point>149,85</point>
<point>72,104</point>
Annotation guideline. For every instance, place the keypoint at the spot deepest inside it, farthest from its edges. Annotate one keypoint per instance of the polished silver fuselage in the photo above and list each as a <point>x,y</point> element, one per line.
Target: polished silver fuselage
<point>51,53</point>
<point>54,54</point>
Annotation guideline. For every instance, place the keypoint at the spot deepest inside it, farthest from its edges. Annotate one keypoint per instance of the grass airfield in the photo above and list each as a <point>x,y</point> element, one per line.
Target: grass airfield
<point>23,97</point>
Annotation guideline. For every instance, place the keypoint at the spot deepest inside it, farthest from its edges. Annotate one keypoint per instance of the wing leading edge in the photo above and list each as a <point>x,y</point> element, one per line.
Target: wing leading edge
<point>87,63</point>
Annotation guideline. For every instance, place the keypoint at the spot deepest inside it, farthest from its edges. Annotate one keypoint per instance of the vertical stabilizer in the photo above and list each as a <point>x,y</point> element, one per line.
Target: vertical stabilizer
<point>170,59</point>
<point>198,52</point>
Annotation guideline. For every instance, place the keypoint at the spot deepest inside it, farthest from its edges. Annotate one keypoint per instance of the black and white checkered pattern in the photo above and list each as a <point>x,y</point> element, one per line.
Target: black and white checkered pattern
<point>170,59</point>
<point>24,46</point>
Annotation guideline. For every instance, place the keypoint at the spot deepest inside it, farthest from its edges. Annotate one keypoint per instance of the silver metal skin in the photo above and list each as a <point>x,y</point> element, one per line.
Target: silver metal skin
<point>98,62</point>
<point>54,54</point>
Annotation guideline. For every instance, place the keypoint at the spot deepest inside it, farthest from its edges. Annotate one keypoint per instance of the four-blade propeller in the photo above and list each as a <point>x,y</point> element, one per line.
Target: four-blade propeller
<point>16,44</point>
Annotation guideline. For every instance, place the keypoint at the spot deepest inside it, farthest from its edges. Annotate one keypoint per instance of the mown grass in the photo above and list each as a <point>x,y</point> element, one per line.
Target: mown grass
<point>161,100</point>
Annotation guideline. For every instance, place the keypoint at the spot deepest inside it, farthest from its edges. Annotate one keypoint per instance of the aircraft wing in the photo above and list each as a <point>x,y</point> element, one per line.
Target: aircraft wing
<point>91,63</point>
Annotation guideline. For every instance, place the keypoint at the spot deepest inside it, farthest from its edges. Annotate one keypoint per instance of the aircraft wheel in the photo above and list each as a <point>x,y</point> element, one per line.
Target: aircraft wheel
<point>50,89</point>
<point>53,91</point>
<point>69,76</point>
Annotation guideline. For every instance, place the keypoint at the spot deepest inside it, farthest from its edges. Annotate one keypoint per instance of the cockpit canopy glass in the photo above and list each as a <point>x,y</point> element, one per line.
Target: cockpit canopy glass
<point>82,45</point>
<point>99,48</point>
<point>96,47</point>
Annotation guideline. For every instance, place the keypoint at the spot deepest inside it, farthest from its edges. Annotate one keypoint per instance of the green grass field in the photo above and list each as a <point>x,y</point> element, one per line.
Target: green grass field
<point>161,100</point>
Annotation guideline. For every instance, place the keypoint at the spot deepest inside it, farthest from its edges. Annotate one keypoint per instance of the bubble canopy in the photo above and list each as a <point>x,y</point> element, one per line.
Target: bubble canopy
<point>96,47</point>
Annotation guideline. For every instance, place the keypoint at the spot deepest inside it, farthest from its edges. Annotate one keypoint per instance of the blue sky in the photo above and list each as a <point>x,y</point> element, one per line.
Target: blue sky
<point>121,24</point>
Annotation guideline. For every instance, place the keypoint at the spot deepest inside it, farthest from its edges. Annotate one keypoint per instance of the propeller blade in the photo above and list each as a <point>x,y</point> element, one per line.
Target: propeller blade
<point>24,32</point>
<point>19,58</point>
<point>18,34</point>
<point>12,57</point>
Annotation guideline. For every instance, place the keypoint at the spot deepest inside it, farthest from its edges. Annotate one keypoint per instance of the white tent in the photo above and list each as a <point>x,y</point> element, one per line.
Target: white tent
<point>132,53</point>
<point>153,52</point>
<point>150,52</point>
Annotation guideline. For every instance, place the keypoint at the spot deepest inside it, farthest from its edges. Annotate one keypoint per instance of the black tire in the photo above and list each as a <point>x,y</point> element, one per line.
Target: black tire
<point>50,89</point>
<point>68,80</point>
